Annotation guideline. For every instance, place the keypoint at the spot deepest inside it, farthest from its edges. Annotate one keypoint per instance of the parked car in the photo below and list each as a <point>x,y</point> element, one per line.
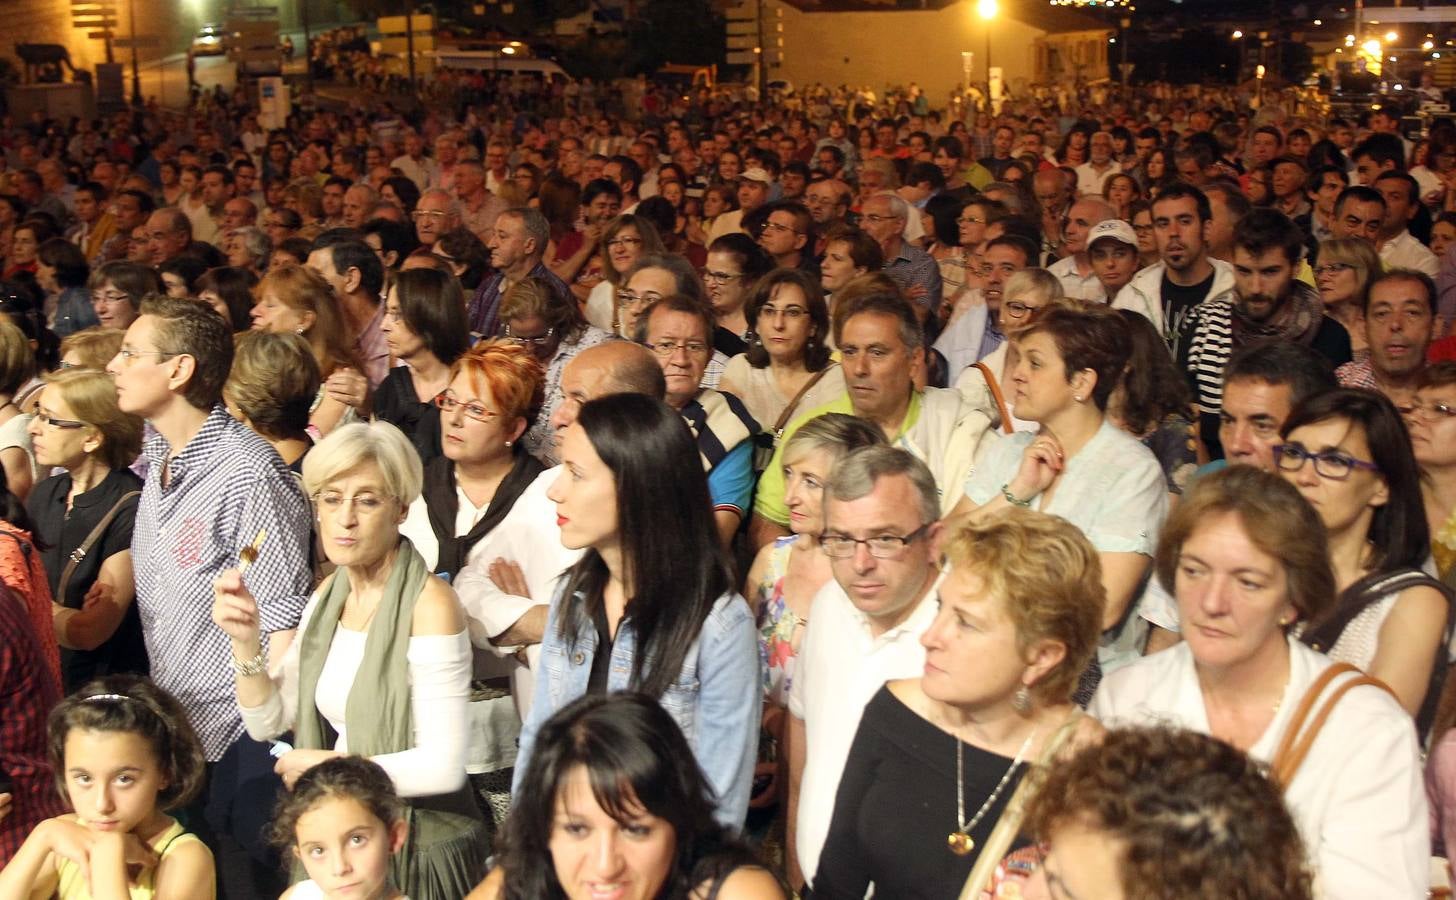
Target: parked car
<point>209,40</point>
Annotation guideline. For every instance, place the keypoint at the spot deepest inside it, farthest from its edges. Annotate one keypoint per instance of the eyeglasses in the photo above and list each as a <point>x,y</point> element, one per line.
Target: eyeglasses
<point>363,504</point>
<point>779,226</point>
<point>420,214</point>
<point>618,243</point>
<point>970,220</point>
<point>627,298</point>
<point>46,418</point>
<point>539,340</point>
<point>792,313</point>
<point>109,296</point>
<point>1332,268</point>
<point>719,277</point>
<point>1427,410</point>
<point>881,546</point>
<point>448,403</point>
<point>666,349</point>
<point>1016,309</point>
<point>129,356</point>
<point>1328,464</point>
<point>876,218</point>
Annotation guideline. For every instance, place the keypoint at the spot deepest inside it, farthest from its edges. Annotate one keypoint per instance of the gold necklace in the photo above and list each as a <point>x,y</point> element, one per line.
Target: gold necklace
<point>960,840</point>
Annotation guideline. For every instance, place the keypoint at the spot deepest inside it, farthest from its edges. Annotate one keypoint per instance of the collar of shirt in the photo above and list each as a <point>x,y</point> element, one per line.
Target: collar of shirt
<point>198,450</point>
<point>914,624</point>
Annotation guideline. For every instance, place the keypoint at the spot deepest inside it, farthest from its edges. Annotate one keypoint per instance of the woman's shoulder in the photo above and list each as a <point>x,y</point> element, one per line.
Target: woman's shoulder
<point>747,882</point>
<point>437,610</point>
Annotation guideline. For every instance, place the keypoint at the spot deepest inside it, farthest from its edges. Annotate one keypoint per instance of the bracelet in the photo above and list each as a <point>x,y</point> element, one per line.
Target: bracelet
<point>258,665</point>
<point>1011,498</point>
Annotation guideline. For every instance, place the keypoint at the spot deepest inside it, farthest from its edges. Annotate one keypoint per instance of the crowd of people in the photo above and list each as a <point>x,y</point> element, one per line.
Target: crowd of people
<point>1055,502</point>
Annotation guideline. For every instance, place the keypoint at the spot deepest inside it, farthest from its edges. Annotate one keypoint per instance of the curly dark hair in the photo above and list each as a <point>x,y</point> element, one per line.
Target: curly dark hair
<point>1199,819</point>
<point>1153,388</point>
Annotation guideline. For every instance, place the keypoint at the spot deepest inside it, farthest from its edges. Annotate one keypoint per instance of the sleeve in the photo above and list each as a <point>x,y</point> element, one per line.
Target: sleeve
<point>731,481</point>
<point>1136,505</point>
<point>489,611</point>
<point>280,577</point>
<point>1441,794</point>
<point>1158,606</point>
<point>730,695</point>
<point>1187,359</point>
<point>439,670</point>
<point>799,684</point>
<point>279,712</point>
<point>541,706</point>
<point>994,467</point>
<point>843,870</point>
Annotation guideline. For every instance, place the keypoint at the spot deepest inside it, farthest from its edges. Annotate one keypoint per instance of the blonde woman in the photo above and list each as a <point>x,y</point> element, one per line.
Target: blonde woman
<point>271,388</point>
<point>985,386</point>
<point>91,348</point>
<point>1346,266</point>
<point>17,364</point>
<point>298,300</point>
<point>79,430</point>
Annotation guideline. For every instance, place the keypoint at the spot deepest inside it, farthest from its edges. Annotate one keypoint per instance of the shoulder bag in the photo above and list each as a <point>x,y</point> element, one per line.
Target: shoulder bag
<point>765,442</point>
<point>999,397</point>
<point>80,552</point>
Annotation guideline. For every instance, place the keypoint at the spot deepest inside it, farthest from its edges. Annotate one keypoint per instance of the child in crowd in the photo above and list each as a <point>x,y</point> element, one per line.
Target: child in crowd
<point>344,823</point>
<point>124,754</point>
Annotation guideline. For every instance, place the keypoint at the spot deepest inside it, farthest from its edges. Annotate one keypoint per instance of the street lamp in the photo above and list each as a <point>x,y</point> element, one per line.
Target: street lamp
<point>987,10</point>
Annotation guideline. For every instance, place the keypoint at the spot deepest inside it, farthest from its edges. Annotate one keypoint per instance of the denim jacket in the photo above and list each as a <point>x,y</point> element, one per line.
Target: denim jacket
<point>715,699</point>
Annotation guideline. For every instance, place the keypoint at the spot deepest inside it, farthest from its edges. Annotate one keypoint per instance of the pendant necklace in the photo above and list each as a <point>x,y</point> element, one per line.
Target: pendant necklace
<point>960,840</point>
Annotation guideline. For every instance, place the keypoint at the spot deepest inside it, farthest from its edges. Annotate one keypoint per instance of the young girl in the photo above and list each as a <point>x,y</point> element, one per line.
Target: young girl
<point>123,754</point>
<point>343,822</point>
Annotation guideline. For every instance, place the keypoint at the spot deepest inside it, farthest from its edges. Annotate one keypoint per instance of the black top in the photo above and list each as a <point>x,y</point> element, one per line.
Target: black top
<point>728,343</point>
<point>61,533</point>
<point>601,668</point>
<point>396,402</point>
<point>896,806</point>
<point>1178,302</point>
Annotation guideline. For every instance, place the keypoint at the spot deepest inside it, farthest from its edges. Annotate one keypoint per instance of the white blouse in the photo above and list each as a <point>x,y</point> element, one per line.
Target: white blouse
<point>1358,799</point>
<point>439,674</point>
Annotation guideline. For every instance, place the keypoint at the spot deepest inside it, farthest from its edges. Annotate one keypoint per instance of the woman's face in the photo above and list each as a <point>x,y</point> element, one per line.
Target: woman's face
<point>972,656</point>
<point>22,247</point>
<point>237,252</point>
<point>45,276</point>
<point>188,180</point>
<point>1233,598</point>
<point>112,779</point>
<point>1082,861</point>
<point>1078,140</point>
<point>57,441</point>
<point>1157,166</point>
<point>585,494</point>
<point>729,166</point>
<point>113,306</point>
<point>345,848</point>
<point>804,478</point>
<point>1338,282</point>
<point>358,520</point>
<point>1120,192</point>
<point>713,204</point>
<point>532,332</point>
<point>1016,310</point>
<point>624,247</point>
<point>1442,233</point>
<point>1039,379</point>
<point>1142,226</point>
<point>672,192</point>
<point>971,224</point>
<point>176,287</point>
<point>475,431</point>
<point>783,323</point>
<point>403,342</point>
<point>837,268</point>
<point>596,857</point>
<point>168,173</point>
<point>1346,502</point>
<point>723,278</point>
<point>273,315</point>
<point>387,192</point>
<point>1433,432</point>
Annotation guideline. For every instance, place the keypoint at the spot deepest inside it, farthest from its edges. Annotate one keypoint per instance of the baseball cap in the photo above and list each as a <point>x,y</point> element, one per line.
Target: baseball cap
<point>1116,229</point>
<point>755,174</point>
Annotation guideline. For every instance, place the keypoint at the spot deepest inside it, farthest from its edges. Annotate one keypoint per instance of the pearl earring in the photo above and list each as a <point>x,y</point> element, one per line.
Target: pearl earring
<point>508,443</point>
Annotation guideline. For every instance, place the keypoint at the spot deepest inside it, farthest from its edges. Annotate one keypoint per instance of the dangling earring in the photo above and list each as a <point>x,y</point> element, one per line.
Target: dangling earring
<point>1021,700</point>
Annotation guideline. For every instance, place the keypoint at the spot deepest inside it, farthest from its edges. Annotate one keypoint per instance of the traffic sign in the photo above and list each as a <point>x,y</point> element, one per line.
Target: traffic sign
<point>141,43</point>
<point>742,58</point>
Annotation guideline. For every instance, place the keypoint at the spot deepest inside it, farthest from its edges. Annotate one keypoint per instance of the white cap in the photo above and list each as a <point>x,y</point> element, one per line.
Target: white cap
<point>1113,228</point>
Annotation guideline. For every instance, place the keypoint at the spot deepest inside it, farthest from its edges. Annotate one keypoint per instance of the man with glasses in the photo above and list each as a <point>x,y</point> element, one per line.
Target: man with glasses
<point>883,218</point>
<point>828,203</point>
<point>974,333</point>
<point>1166,292</point>
<point>679,332</point>
<point>881,531</point>
<point>517,243</point>
<point>1400,317</point>
<point>213,488</point>
<point>435,213</point>
<point>1074,270</point>
<point>788,235</point>
<point>131,209</point>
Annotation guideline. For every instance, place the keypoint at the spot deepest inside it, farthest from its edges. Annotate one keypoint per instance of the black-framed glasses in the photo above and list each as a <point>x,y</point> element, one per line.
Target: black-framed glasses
<point>1017,310</point>
<point>46,418</point>
<point>881,546</point>
<point>1327,464</point>
<point>448,403</point>
<point>539,340</point>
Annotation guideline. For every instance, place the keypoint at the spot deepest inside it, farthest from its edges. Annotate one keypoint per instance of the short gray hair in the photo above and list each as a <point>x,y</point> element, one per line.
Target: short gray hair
<point>1033,281</point>
<point>537,228</point>
<point>350,446</point>
<point>255,241</point>
<point>898,207</point>
<point>856,474</point>
<point>452,206</point>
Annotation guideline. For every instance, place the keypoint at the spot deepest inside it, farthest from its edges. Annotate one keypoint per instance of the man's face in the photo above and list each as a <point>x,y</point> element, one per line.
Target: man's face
<point>880,222</point>
<point>509,244</point>
<point>1114,264</point>
<point>1080,219</point>
<point>878,365</point>
<point>792,184</point>
<point>641,154</point>
<point>948,165</point>
<point>1188,169</point>
<point>432,218</point>
<point>215,191</point>
<point>688,348</point>
<point>1263,148</point>
<point>244,179</point>
<point>751,194</point>
<point>1329,191</point>
<point>237,213</point>
<point>1343,136</point>
<point>1003,141</point>
<point>780,236</point>
<point>446,152</point>
<point>1288,180</point>
<point>1261,282</point>
<point>1101,148</point>
<point>1367,169</point>
<point>1220,233</point>
<point>827,163</point>
<point>333,201</point>
<point>1358,219</point>
<point>322,262</point>
<point>104,173</point>
<point>998,264</point>
<point>885,590</point>
<point>162,242</point>
<point>86,207</point>
<point>823,202</point>
<point>885,137</point>
<point>414,145</point>
<point>1398,325</point>
<point>1144,148</point>
<point>356,202</point>
<point>602,207</point>
<point>1179,232</point>
<point>142,379</point>
<point>1398,206</point>
<point>1253,412</point>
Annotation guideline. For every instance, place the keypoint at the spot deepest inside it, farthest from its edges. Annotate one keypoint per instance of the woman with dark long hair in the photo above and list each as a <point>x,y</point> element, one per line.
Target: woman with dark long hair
<point>611,795</point>
<point>651,605</point>
<point>424,326</point>
<point>1154,405</point>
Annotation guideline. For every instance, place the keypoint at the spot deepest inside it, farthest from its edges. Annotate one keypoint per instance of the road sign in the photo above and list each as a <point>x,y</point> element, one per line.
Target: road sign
<point>99,35</point>
<point>742,57</point>
<point>144,42</point>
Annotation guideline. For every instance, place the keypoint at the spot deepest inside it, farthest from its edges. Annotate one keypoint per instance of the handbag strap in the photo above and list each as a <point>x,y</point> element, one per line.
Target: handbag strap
<point>999,397</point>
<point>1008,826</point>
<point>778,427</point>
<point>1295,745</point>
<point>80,552</point>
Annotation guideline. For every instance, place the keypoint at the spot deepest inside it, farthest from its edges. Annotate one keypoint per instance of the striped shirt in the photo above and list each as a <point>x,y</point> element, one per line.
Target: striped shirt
<point>226,487</point>
<point>1207,343</point>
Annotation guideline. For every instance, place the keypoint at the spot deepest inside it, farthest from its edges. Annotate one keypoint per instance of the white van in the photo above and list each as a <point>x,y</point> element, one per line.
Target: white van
<point>495,61</point>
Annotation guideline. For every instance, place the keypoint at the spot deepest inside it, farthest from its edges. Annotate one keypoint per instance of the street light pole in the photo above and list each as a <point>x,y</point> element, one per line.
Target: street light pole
<point>987,10</point>
<point>136,74</point>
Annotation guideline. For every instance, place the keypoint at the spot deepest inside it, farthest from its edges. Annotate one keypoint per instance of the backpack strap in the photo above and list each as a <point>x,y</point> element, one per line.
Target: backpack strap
<point>1294,746</point>
<point>999,397</point>
<point>1356,598</point>
<point>80,552</point>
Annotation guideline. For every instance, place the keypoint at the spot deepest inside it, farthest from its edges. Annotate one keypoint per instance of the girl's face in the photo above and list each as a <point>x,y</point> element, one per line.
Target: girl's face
<point>112,779</point>
<point>596,856</point>
<point>1442,234</point>
<point>804,478</point>
<point>273,315</point>
<point>345,848</point>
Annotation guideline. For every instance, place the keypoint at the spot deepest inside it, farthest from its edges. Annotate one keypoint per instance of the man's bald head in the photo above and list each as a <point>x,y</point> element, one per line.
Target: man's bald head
<point>615,367</point>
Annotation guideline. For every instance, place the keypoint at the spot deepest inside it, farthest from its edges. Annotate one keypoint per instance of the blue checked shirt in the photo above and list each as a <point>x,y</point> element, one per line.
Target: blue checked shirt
<point>226,485</point>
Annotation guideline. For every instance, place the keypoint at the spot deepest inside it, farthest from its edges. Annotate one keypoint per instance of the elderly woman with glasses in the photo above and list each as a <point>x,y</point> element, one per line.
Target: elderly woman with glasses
<point>553,330</point>
<point>88,507</point>
<point>1346,268</point>
<point>1247,560</point>
<point>984,385</point>
<point>1348,453</point>
<point>626,239</point>
<point>380,666</point>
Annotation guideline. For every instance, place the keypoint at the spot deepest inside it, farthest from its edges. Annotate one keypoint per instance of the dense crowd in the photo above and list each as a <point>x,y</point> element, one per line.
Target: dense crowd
<point>1055,501</point>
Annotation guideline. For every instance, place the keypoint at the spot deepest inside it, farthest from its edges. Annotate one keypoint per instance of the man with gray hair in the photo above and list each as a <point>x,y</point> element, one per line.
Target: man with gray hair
<point>479,206</point>
<point>881,535</point>
<point>358,200</point>
<point>883,218</point>
<point>1074,270</point>
<point>517,242</point>
<point>435,213</point>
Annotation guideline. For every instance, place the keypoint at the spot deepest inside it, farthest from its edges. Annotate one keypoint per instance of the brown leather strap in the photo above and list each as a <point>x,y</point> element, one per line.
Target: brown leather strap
<point>80,552</point>
<point>996,394</point>
<point>778,428</point>
<point>1295,745</point>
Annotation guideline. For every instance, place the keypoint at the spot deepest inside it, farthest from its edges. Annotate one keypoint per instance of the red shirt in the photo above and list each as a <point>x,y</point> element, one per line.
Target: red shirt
<point>28,691</point>
<point>1443,350</point>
